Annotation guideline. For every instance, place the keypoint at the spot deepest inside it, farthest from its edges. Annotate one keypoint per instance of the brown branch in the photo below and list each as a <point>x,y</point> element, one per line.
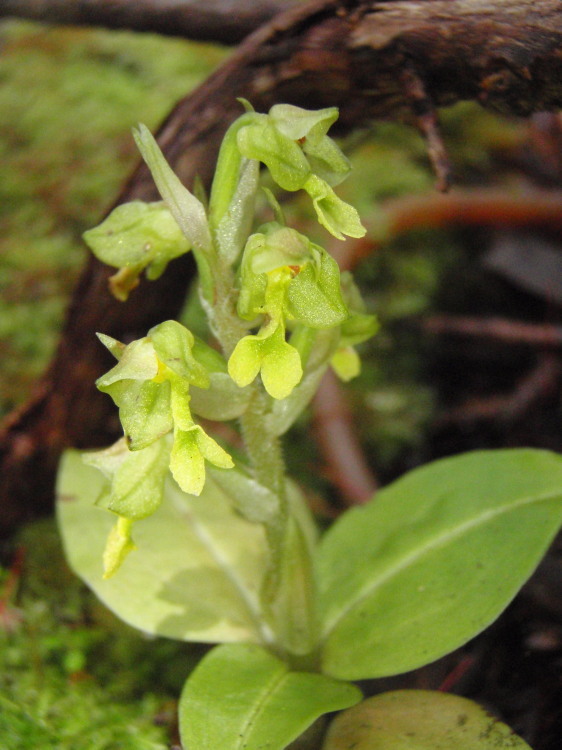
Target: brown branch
<point>223,21</point>
<point>542,380</point>
<point>504,53</point>
<point>344,460</point>
<point>484,207</point>
<point>500,329</point>
<point>428,123</point>
<point>488,207</point>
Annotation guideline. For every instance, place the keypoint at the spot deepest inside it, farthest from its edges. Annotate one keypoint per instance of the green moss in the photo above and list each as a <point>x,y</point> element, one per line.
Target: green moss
<point>71,675</point>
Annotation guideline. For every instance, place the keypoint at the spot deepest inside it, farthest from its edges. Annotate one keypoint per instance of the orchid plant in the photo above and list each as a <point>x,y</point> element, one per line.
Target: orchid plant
<point>186,537</point>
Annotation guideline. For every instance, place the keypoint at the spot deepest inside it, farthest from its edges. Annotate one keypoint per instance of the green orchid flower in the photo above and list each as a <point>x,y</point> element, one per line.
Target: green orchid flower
<point>358,327</point>
<point>293,143</point>
<point>191,448</point>
<point>267,353</point>
<point>311,279</point>
<point>309,129</point>
<point>136,237</point>
<point>150,370</point>
<point>335,215</point>
<point>283,277</point>
<point>150,385</point>
<point>135,491</point>
<point>263,141</point>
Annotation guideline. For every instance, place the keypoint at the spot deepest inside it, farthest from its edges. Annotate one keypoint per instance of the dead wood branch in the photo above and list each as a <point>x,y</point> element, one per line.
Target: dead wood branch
<point>222,21</point>
<point>349,53</point>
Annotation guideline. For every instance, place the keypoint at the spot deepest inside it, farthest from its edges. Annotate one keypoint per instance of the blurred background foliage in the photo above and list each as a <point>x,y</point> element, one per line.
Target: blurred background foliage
<point>70,675</point>
<point>68,101</point>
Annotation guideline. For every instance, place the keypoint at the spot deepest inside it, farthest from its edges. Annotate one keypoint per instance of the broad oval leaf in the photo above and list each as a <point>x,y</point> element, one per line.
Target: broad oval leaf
<point>196,573</point>
<point>240,697</point>
<point>419,720</point>
<point>434,559</point>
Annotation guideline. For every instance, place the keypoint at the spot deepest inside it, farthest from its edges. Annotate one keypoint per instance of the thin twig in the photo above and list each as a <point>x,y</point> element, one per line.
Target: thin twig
<point>511,331</point>
<point>533,385</point>
<point>428,122</point>
<point>337,439</point>
<point>484,207</point>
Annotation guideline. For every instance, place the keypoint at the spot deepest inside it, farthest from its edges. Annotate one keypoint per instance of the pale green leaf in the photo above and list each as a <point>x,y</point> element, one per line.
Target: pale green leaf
<point>251,499</point>
<point>186,209</point>
<point>434,559</point>
<point>240,697</point>
<point>258,504</point>
<point>196,573</point>
<point>236,224</point>
<point>294,604</point>
<point>285,412</point>
<point>419,720</point>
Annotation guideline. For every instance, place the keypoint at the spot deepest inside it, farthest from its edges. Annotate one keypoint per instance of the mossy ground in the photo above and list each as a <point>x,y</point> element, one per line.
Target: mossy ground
<point>72,676</point>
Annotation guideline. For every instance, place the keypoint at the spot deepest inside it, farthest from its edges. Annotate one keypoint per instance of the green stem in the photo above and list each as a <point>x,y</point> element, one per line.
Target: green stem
<point>264,448</point>
<point>227,171</point>
<point>288,595</point>
<point>223,320</point>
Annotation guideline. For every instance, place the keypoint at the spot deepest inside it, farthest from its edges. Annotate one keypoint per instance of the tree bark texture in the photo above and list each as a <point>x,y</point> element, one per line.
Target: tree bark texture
<point>223,21</point>
<point>376,59</point>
